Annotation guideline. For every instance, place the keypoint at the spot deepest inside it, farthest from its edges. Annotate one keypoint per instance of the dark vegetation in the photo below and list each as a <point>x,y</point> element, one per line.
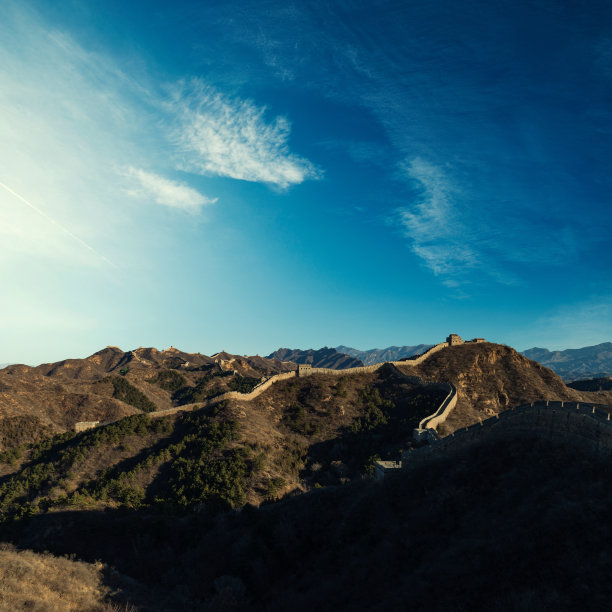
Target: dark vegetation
<point>515,525</point>
<point>592,384</point>
<point>385,413</point>
<point>191,462</point>
<point>203,389</point>
<point>169,380</point>
<point>20,430</point>
<point>243,384</point>
<point>126,392</point>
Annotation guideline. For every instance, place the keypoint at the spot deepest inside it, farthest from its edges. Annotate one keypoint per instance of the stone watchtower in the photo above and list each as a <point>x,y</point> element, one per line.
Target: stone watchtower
<point>454,339</point>
<point>304,369</point>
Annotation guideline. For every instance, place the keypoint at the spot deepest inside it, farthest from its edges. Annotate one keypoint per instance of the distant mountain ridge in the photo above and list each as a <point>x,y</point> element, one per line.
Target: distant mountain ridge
<point>391,353</point>
<point>320,358</point>
<point>586,362</point>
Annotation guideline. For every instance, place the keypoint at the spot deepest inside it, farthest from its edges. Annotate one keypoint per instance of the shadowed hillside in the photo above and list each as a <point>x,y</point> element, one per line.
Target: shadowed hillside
<point>505,526</point>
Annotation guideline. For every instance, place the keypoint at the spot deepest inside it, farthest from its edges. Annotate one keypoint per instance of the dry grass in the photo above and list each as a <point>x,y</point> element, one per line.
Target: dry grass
<point>44,583</point>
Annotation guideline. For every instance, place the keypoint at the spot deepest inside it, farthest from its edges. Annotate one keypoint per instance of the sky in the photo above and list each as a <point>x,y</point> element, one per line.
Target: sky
<point>245,176</point>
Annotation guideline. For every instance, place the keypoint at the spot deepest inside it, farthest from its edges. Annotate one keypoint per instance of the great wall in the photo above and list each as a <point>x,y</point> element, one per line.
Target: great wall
<point>301,371</point>
<point>584,424</point>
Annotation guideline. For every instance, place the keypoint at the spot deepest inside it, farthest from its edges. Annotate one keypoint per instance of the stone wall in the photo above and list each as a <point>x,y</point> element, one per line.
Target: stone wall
<point>427,427</point>
<point>266,384</point>
<point>585,425</point>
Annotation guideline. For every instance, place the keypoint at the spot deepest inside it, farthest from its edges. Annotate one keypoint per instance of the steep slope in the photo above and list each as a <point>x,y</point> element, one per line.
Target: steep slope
<point>570,364</point>
<point>391,353</point>
<point>321,358</point>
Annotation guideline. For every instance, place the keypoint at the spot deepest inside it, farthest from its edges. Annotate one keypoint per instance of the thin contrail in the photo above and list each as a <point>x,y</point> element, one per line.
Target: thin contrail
<point>54,222</point>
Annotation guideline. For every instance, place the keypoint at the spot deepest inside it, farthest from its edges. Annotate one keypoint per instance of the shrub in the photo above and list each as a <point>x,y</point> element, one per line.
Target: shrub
<point>169,380</point>
<point>126,392</point>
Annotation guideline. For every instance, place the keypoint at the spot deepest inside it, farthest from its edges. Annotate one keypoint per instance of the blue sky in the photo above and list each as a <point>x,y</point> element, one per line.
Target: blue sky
<point>244,176</point>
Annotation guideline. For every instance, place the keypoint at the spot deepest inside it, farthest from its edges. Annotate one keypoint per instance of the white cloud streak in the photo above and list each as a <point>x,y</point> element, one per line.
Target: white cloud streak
<point>166,192</point>
<point>224,136</point>
<point>56,224</point>
<point>432,223</point>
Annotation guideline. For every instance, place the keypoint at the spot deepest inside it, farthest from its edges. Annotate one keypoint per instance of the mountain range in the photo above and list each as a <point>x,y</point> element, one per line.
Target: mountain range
<point>571,364</point>
<point>391,353</point>
<point>321,358</point>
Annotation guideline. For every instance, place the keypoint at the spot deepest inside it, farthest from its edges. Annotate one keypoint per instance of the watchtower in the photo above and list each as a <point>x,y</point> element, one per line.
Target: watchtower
<point>304,369</point>
<point>454,339</point>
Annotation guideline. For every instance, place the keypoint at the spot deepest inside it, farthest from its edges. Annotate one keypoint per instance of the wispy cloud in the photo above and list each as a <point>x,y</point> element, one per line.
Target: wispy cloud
<point>432,224</point>
<point>166,192</point>
<point>225,136</point>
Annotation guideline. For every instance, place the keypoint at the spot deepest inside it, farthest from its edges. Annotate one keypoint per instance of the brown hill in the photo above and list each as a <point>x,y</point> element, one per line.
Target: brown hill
<point>491,378</point>
<point>53,397</point>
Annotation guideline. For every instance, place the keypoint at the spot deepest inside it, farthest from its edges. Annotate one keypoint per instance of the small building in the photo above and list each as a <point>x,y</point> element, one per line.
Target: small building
<point>85,425</point>
<point>304,369</point>
<point>385,467</point>
<point>478,340</point>
<point>454,339</point>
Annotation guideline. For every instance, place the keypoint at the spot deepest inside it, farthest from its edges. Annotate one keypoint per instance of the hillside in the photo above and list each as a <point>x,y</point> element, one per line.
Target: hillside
<point>123,491</point>
<point>571,364</point>
<point>112,384</point>
<point>505,526</point>
<point>391,353</point>
<point>491,378</point>
<point>321,358</point>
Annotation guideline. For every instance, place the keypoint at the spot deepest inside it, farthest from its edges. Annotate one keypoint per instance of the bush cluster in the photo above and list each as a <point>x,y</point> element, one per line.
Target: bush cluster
<point>169,380</point>
<point>126,392</point>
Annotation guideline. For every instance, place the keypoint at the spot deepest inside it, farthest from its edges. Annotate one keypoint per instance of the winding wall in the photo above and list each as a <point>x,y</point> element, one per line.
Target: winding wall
<point>438,417</point>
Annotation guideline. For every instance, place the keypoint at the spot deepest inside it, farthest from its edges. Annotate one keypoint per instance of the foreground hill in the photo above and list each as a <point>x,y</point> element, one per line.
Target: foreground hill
<point>321,358</point>
<point>40,581</point>
<point>571,364</point>
<point>391,353</point>
<point>513,525</point>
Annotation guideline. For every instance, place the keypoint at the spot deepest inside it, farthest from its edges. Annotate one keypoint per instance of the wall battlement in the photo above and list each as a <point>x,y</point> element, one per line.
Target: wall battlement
<point>582,424</point>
